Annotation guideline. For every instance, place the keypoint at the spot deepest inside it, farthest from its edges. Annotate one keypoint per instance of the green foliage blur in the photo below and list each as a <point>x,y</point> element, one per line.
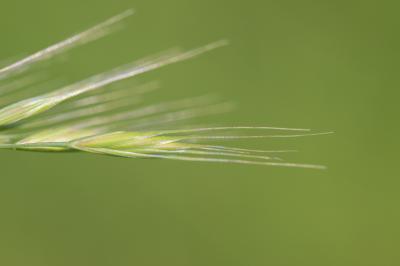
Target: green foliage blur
<point>325,65</point>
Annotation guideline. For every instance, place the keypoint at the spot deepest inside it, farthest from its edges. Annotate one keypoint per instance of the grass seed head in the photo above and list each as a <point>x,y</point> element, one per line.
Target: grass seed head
<point>88,124</point>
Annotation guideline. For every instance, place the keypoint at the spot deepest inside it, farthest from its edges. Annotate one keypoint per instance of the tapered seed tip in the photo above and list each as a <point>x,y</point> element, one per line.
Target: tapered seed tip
<point>218,44</point>
<point>322,132</point>
<point>128,12</point>
<point>319,167</point>
<point>121,16</point>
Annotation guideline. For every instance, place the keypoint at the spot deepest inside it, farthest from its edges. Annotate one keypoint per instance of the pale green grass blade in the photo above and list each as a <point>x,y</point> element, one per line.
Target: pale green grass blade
<point>190,151</point>
<point>64,117</point>
<point>34,106</point>
<point>149,145</point>
<point>129,154</point>
<point>91,34</point>
<point>244,151</point>
<point>179,131</point>
<point>60,135</point>
<point>199,137</point>
<point>90,106</point>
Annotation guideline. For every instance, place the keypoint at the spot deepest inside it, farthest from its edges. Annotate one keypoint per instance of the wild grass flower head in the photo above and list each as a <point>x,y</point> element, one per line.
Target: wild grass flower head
<point>96,115</point>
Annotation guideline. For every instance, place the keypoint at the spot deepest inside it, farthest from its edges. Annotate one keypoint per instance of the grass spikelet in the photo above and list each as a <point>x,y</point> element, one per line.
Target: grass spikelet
<point>93,116</point>
<point>91,34</point>
<point>33,106</point>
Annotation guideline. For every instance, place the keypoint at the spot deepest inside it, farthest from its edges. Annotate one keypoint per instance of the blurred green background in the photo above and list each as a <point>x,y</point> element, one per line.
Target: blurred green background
<point>327,65</point>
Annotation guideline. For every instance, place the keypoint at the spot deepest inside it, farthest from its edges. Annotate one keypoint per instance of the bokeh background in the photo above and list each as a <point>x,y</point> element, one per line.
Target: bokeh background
<point>327,65</point>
